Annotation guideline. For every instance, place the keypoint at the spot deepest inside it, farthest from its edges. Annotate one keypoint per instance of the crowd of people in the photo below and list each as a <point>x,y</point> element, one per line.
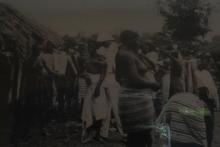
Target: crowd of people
<point>119,82</point>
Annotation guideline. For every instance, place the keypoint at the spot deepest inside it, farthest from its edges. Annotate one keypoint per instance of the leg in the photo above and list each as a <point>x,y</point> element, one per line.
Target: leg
<point>60,94</point>
<point>113,108</point>
<point>92,132</point>
<point>104,131</point>
<point>209,129</point>
<point>148,138</point>
<point>140,139</point>
<point>116,114</point>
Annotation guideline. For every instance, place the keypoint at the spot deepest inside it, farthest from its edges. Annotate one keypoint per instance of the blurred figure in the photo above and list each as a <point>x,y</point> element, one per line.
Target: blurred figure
<point>205,79</point>
<point>166,82</point>
<point>190,66</point>
<point>207,89</point>
<point>84,80</point>
<point>203,93</point>
<point>185,114</point>
<point>177,76</point>
<point>150,57</point>
<point>46,81</point>
<point>73,85</point>
<point>64,86</point>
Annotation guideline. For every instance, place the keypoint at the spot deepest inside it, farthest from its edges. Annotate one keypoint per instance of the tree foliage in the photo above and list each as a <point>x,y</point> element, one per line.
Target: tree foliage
<point>185,20</point>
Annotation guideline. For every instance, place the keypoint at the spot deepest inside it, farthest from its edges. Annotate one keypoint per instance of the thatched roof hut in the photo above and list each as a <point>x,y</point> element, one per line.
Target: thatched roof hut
<point>20,35</point>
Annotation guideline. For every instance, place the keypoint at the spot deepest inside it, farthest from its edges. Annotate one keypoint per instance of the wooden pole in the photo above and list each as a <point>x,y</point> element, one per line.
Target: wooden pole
<point>10,93</point>
<point>20,73</point>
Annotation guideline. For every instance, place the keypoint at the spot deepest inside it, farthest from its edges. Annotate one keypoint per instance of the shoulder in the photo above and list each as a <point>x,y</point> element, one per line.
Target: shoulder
<point>124,58</point>
<point>184,96</point>
<point>125,55</point>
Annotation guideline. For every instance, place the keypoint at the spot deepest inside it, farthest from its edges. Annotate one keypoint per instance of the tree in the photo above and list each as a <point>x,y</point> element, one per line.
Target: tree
<point>185,20</point>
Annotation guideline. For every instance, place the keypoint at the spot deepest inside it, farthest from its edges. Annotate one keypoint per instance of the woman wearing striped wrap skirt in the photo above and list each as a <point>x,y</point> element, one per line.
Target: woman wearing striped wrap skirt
<point>135,99</point>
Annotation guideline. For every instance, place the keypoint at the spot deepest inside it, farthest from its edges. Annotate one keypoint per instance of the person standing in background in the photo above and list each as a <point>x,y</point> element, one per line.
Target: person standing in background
<point>84,79</point>
<point>62,61</point>
<point>205,79</point>
<point>185,115</point>
<point>95,104</point>
<point>166,82</point>
<point>109,50</point>
<point>47,90</point>
<point>203,93</point>
<point>177,72</point>
<point>207,89</point>
<point>190,65</point>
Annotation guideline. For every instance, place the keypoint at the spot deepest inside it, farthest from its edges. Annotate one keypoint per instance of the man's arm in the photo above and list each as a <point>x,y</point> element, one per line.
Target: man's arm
<point>101,79</point>
<point>72,65</point>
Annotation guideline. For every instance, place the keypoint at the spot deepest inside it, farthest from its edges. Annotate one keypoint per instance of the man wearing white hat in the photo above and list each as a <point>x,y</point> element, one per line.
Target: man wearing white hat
<point>109,50</point>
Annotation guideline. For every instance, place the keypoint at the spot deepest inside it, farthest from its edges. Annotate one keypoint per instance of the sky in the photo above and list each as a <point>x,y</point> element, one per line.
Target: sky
<point>92,16</point>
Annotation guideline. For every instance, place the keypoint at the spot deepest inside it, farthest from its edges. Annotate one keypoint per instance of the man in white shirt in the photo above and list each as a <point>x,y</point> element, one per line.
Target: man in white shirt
<point>109,50</point>
<point>205,79</point>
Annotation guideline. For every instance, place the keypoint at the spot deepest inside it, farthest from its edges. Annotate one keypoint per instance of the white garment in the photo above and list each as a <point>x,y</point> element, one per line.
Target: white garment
<point>109,54</point>
<point>204,79</point>
<point>101,51</point>
<point>61,61</point>
<point>165,88</point>
<point>189,72</point>
<point>110,57</point>
<point>94,107</point>
<point>194,63</point>
<point>113,87</point>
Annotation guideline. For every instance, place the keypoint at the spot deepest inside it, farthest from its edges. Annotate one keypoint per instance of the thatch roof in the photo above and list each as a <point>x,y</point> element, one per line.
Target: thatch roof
<point>19,34</point>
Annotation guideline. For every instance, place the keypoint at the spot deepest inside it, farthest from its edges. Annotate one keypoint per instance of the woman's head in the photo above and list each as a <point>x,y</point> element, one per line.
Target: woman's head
<point>129,39</point>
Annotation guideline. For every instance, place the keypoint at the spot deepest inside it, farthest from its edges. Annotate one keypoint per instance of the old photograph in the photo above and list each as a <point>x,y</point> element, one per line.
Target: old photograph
<point>109,73</point>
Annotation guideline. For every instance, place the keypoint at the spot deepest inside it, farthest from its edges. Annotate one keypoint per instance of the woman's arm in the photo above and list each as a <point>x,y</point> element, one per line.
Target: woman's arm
<point>103,73</point>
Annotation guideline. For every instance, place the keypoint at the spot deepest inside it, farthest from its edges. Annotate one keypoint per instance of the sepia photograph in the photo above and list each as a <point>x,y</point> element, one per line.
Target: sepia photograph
<point>109,73</point>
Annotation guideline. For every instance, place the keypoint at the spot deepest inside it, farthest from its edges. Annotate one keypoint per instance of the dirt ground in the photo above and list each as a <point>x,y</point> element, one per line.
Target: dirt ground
<point>68,135</point>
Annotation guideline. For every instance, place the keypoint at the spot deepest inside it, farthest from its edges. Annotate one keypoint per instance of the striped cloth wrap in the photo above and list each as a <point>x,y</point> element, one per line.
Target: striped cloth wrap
<point>136,109</point>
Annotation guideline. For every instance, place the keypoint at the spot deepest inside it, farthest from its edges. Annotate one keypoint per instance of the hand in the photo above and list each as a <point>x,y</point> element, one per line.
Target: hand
<point>97,92</point>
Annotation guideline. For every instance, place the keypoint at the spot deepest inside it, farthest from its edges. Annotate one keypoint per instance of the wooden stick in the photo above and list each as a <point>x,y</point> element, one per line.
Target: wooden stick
<point>10,93</point>
<point>19,80</point>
